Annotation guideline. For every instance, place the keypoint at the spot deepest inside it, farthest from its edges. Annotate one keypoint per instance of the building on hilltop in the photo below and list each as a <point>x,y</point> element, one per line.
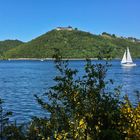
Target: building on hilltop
<point>69,28</point>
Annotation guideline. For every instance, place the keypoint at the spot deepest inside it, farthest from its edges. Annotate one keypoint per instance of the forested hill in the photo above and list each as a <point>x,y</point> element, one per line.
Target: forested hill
<point>7,45</point>
<point>74,44</point>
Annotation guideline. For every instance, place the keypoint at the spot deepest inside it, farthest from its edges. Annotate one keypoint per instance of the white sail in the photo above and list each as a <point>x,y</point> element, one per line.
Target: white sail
<point>124,58</point>
<point>128,58</point>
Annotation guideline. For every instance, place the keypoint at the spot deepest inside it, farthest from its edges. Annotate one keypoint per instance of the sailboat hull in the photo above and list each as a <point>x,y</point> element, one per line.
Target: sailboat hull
<point>128,64</point>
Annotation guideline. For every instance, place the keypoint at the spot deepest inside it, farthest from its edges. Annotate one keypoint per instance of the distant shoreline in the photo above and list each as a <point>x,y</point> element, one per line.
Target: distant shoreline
<point>44,59</point>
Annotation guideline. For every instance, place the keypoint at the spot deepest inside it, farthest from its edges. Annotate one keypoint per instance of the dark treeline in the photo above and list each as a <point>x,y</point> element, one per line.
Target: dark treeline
<point>8,45</point>
<point>80,109</point>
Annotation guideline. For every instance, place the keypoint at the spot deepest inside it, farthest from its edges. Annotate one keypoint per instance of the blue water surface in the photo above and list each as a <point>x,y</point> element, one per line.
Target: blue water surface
<point>20,80</point>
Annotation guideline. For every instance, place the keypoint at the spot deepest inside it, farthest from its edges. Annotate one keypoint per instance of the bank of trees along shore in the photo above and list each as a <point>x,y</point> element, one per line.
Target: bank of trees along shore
<point>73,44</point>
<point>8,45</point>
<point>80,109</point>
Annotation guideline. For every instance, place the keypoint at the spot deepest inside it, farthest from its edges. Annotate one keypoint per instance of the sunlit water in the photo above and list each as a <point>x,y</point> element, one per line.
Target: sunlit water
<point>20,80</point>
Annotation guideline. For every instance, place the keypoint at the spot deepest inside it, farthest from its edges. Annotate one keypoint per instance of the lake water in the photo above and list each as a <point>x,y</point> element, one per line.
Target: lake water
<point>20,80</point>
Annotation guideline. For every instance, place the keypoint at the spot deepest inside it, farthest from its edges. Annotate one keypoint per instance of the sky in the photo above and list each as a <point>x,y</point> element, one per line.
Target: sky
<point>27,19</point>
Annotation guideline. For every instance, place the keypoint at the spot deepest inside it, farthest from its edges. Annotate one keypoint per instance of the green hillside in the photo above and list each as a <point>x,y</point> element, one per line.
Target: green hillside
<point>7,45</point>
<point>74,44</point>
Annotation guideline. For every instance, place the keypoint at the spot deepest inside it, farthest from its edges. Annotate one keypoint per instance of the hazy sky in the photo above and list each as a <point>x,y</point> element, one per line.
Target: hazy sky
<point>27,19</point>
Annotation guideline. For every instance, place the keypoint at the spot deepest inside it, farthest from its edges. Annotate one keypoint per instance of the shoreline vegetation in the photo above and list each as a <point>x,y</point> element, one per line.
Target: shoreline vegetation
<point>72,44</point>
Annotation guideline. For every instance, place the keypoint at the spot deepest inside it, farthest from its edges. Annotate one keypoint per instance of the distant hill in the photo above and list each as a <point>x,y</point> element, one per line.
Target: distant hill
<point>74,44</point>
<point>7,45</point>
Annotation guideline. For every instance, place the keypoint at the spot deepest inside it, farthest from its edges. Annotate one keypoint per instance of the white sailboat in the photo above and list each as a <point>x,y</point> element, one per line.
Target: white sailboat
<point>127,60</point>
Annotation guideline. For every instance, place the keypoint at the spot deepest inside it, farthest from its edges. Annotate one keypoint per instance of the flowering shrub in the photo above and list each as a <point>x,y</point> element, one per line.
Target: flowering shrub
<point>131,126</point>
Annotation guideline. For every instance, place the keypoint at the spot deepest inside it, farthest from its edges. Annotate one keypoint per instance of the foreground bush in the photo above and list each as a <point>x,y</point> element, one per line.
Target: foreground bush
<point>81,108</point>
<point>131,124</point>
<point>84,108</point>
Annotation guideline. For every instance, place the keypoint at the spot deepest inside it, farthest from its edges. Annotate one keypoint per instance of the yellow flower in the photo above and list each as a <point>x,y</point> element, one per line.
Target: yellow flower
<point>82,124</point>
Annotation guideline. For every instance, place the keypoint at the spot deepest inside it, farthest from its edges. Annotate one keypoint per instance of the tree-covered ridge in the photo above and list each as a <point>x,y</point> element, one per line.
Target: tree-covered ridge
<point>7,45</point>
<point>74,44</point>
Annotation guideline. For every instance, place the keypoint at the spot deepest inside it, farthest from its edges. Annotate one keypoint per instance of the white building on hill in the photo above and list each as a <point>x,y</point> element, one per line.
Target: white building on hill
<point>69,28</point>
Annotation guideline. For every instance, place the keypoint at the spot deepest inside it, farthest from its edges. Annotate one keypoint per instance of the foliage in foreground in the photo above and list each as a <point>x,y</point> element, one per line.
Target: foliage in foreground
<point>81,108</point>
